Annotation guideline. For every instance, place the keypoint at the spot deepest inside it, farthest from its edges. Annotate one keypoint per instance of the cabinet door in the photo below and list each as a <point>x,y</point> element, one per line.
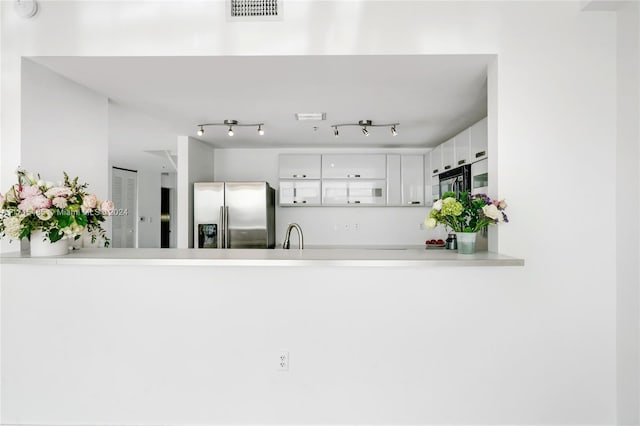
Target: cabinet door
<point>427,180</point>
<point>299,166</point>
<point>412,167</point>
<point>367,192</point>
<point>448,155</point>
<point>462,148</point>
<point>334,192</point>
<point>436,160</point>
<point>299,193</point>
<point>354,166</point>
<point>394,180</point>
<point>478,141</point>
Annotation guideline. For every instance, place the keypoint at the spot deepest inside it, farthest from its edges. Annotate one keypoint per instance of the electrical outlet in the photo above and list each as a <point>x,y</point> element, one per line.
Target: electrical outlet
<point>283,361</point>
<point>355,226</point>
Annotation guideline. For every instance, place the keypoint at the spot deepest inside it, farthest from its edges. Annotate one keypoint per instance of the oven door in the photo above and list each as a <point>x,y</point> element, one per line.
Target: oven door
<point>480,177</point>
<point>449,184</point>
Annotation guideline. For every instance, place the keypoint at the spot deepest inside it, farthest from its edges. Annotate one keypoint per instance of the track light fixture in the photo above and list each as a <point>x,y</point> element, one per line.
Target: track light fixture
<point>365,124</point>
<point>231,124</point>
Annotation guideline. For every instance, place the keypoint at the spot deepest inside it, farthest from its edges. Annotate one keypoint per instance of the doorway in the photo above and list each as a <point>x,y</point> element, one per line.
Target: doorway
<point>124,191</point>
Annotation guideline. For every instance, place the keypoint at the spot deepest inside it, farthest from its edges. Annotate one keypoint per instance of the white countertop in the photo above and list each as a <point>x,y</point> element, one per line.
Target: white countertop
<point>327,256</point>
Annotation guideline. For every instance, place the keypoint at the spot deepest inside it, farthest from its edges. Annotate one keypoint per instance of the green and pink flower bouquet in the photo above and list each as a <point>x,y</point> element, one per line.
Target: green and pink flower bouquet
<point>466,213</point>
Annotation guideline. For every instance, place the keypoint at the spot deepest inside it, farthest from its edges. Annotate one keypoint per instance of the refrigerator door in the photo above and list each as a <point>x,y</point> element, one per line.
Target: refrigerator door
<point>250,219</point>
<point>208,223</point>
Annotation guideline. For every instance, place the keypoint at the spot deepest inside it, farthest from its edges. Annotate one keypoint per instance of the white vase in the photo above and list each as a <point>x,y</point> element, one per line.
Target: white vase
<point>466,242</point>
<point>41,246</point>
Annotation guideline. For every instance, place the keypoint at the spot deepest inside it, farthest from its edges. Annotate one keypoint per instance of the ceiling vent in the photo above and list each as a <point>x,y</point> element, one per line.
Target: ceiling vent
<point>254,10</point>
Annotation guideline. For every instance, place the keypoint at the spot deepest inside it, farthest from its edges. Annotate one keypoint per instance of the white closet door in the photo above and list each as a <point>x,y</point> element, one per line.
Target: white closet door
<point>124,192</point>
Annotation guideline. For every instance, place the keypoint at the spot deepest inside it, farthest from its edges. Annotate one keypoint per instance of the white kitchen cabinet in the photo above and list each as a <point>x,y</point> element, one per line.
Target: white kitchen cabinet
<point>412,174</point>
<point>436,160</point>
<point>299,193</point>
<point>478,141</point>
<point>427,179</point>
<point>334,192</point>
<point>299,166</point>
<point>354,166</point>
<point>462,148</point>
<point>367,192</point>
<point>394,180</point>
<point>448,155</point>
<point>354,192</point>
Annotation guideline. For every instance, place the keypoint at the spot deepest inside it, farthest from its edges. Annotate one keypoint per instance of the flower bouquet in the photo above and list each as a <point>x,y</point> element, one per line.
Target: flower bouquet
<point>59,211</point>
<point>466,214</point>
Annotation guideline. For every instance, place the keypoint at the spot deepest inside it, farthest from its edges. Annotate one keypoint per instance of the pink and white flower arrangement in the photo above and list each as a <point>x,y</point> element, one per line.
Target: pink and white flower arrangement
<point>62,211</point>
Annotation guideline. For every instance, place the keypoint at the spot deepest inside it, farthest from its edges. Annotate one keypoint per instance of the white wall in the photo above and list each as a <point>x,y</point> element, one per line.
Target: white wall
<point>127,125</point>
<point>328,225</point>
<point>64,128</point>
<point>542,338</point>
<point>627,207</point>
<point>149,193</point>
<point>195,164</point>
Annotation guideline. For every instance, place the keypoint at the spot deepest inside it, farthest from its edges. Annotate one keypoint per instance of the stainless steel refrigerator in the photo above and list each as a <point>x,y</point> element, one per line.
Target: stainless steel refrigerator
<point>233,215</point>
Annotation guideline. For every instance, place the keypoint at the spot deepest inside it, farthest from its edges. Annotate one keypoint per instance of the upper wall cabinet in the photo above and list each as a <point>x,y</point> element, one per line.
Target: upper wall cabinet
<point>354,166</point>
<point>479,140</point>
<point>462,148</point>
<point>299,192</point>
<point>300,166</point>
<point>412,174</point>
<point>436,160</point>
<point>448,155</point>
<point>427,179</point>
<point>405,180</point>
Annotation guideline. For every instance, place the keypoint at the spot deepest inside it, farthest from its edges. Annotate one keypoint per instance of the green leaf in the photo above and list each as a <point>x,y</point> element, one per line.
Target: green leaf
<point>26,232</point>
<point>55,235</point>
<point>81,219</point>
<point>64,220</point>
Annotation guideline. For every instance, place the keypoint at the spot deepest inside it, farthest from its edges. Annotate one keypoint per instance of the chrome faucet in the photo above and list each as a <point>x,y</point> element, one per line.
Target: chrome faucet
<point>287,237</point>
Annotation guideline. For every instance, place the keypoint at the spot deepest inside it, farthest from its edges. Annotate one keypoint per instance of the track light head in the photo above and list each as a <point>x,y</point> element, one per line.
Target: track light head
<point>394,132</point>
<point>365,131</point>
<point>335,131</point>
<point>201,131</point>
<point>230,132</point>
<point>260,130</point>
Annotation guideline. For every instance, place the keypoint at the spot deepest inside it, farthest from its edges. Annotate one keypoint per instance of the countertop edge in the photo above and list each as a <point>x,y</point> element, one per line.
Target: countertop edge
<point>267,258</point>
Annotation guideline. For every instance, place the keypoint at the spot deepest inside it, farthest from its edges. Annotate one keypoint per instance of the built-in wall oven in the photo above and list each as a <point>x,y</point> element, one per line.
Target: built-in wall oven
<point>480,177</point>
<point>457,180</point>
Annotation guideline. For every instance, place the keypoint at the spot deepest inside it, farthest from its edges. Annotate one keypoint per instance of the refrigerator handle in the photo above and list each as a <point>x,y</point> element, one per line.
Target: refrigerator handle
<point>227,243</point>
<point>220,242</point>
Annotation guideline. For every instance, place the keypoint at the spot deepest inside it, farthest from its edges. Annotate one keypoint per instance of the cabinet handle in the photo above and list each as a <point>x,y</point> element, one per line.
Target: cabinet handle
<point>299,176</point>
<point>413,202</point>
<point>447,167</point>
<point>435,171</point>
<point>481,153</point>
<point>353,202</point>
<point>354,176</point>
<point>461,162</point>
<point>299,202</point>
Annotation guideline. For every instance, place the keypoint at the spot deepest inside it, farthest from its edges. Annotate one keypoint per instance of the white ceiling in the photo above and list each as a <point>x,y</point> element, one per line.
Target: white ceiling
<point>432,96</point>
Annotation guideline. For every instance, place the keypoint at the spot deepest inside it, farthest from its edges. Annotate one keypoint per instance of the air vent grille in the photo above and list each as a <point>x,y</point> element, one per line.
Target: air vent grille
<point>255,9</point>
